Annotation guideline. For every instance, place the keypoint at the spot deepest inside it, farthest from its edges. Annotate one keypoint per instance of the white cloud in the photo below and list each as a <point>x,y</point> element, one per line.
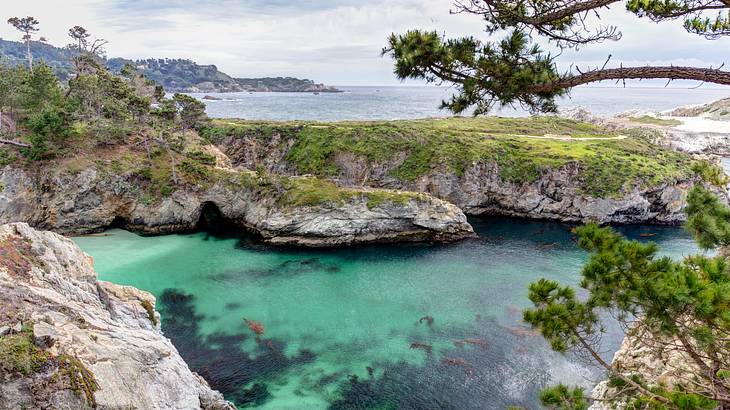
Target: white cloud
<point>334,41</point>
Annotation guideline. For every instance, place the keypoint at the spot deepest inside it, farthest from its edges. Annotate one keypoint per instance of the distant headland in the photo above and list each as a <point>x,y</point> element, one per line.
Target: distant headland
<point>176,75</point>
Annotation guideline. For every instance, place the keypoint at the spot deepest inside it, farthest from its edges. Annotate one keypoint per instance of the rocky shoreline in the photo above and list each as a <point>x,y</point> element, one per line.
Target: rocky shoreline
<point>92,200</point>
<point>70,341</point>
<point>479,188</point>
<point>362,201</point>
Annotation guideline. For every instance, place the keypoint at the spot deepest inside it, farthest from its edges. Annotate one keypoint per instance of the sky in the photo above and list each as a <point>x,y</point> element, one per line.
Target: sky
<point>332,41</point>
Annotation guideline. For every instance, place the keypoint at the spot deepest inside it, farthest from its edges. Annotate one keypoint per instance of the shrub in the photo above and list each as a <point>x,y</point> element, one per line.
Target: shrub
<point>194,169</point>
<point>710,173</point>
<point>202,157</point>
<point>7,156</point>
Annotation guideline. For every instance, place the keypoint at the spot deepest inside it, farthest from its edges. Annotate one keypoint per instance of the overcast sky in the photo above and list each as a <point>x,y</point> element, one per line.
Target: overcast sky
<point>332,41</point>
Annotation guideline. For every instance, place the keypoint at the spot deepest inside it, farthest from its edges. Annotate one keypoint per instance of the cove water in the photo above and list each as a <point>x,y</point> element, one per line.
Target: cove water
<point>373,327</point>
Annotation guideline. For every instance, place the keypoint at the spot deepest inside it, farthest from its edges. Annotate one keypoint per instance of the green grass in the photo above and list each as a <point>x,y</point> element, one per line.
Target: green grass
<point>457,143</point>
<point>647,119</point>
<point>311,191</point>
<point>711,173</point>
<point>18,354</point>
<point>292,192</point>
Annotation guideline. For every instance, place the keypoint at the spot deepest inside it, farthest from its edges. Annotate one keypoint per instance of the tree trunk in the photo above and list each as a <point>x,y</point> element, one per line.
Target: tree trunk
<point>708,75</point>
<point>30,56</point>
<point>17,144</point>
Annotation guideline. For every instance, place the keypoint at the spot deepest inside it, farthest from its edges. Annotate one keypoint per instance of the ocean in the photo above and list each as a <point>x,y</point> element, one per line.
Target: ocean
<point>391,103</point>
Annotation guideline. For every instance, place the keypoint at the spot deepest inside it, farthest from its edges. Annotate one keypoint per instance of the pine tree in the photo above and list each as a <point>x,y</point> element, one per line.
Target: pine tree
<point>670,307</point>
<point>28,26</point>
<point>516,70</point>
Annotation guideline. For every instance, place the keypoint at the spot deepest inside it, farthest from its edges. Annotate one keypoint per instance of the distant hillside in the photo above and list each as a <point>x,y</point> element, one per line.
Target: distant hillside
<point>176,75</point>
<point>58,58</point>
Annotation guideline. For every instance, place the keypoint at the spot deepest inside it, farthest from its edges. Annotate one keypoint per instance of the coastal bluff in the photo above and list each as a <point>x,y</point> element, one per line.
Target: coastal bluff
<point>70,341</point>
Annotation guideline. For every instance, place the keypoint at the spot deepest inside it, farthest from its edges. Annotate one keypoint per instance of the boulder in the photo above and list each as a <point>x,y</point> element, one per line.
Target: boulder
<point>97,333</point>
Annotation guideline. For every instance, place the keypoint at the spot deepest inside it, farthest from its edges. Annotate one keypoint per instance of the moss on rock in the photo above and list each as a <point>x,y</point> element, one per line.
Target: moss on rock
<point>18,353</point>
<point>523,148</point>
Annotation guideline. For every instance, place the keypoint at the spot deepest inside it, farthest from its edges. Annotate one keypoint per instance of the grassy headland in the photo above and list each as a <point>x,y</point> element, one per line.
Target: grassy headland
<point>524,148</point>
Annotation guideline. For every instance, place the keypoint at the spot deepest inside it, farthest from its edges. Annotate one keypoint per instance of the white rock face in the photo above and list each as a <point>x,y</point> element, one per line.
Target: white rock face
<point>91,201</point>
<point>656,367</point>
<point>480,189</point>
<point>47,281</point>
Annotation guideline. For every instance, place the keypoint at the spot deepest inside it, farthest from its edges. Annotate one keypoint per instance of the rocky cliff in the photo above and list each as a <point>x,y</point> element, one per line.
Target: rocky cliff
<point>69,341</point>
<point>290,211</point>
<point>658,367</point>
<point>701,129</point>
<point>611,179</point>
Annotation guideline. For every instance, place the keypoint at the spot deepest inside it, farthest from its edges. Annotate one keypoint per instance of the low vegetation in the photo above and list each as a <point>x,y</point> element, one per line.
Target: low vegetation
<point>414,148</point>
<point>711,173</point>
<point>18,353</point>
<point>309,191</point>
<point>147,306</point>
<point>81,380</point>
<point>648,119</point>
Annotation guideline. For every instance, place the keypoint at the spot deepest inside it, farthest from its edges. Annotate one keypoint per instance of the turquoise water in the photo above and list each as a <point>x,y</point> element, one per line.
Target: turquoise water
<point>342,328</point>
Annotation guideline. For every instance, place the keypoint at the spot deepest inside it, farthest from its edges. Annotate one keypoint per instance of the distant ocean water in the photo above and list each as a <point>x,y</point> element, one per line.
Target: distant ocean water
<point>388,103</point>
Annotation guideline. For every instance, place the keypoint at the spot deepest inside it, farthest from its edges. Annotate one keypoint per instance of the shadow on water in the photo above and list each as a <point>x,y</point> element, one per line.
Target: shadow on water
<point>487,367</point>
<point>483,369</point>
<point>219,358</point>
<point>478,367</point>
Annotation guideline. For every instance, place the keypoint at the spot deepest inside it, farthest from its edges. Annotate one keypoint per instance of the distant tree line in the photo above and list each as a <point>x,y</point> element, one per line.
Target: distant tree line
<point>43,115</point>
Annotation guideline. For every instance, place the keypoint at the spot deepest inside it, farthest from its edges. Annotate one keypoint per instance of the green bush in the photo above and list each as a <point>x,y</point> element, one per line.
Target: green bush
<point>711,173</point>
<point>166,190</point>
<point>48,129</point>
<point>7,156</point>
<point>194,169</point>
<point>202,157</point>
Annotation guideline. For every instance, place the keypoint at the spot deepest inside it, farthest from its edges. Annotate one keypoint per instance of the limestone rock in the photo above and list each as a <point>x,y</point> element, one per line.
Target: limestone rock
<point>480,190</point>
<point>96,326</point>
<point>44,335</point>
<point>90,201</point>
<point>656,367</point>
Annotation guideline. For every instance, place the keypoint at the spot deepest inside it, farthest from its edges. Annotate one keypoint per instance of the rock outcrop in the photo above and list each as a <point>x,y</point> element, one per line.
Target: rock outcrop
<point>70,341</point>
<point>657,367</point>
<point>696,142</point>
<point>700,129</point>
<point>92,200</point>
<point>480,190</point>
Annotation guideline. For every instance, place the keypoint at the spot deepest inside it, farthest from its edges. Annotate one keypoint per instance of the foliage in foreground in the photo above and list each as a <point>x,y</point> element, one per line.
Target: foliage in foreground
<point>516,70</point>
<point>681,306</point>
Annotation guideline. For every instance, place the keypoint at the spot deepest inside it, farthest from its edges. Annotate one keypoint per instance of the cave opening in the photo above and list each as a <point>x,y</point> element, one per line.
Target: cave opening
<point>119,222</point>
<point>212,221</point>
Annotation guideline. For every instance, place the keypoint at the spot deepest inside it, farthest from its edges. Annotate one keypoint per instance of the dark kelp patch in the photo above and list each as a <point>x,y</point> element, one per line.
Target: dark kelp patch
<point>478,365</point>
<point>219,358</point>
